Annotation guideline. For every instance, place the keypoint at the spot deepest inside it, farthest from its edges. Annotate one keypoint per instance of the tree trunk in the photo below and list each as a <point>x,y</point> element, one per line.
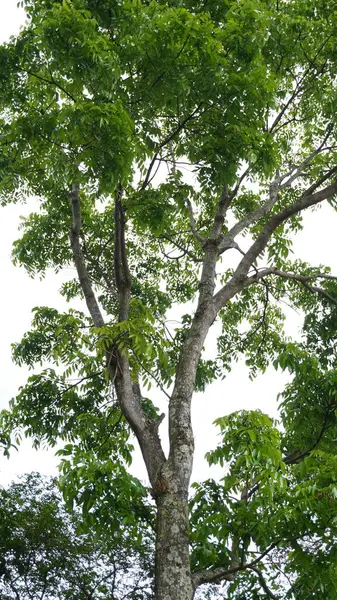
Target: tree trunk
<point>173,572</point>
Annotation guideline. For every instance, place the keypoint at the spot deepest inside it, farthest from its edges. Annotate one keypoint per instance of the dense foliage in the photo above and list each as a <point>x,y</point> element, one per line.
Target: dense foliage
<point>44,554</point>
<point>179,143</point>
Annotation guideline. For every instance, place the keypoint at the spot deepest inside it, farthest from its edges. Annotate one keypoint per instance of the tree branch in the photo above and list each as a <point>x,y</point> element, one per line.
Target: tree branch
<point>264,585</point>
<point>128,392</point>
<point>220,574</point>
<point>256,214</point>
<point>166,141</point>
<point>294,457</point>
<point>78,258</point>
<point>122,273</point>
<point>223,205</point>
<point>319,182</point>
<point>275,187</point>
<point>195,232</point>
<point>299,84</point>
<point>303,279</point>
<point>297,170</point>
<point>237,187</point>
<point>305,201</point>
<point>50,82</point>
<point>185,251</point>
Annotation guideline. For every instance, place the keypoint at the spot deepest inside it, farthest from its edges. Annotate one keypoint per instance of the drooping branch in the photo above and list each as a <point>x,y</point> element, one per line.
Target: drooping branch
<point>303,279</point>
<point>78,258</point>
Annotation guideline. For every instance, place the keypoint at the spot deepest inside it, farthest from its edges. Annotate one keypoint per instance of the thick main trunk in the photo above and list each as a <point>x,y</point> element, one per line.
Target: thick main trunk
<point>173,572</point>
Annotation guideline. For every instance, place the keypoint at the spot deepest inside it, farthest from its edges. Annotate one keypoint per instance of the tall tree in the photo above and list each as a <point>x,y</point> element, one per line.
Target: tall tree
<point>45,556</point>
<point>103,102</point>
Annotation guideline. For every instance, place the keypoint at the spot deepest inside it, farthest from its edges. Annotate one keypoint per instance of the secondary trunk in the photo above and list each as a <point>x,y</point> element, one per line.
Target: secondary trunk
<point>173,572</point>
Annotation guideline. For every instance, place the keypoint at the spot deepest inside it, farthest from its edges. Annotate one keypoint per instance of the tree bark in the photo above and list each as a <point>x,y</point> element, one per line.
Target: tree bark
<point>173,578</point>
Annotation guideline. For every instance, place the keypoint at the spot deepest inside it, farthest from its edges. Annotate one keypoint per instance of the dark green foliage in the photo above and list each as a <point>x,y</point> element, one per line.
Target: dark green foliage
<point>177,104</point>
<point>45,553</point>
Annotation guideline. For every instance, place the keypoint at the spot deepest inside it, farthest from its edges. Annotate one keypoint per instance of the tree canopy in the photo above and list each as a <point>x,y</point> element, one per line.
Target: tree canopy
<point>174,147</point>
<point>44,554</point>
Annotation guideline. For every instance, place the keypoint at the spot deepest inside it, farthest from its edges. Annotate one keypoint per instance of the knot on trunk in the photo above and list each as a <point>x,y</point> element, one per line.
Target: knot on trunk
<point>160,487</point>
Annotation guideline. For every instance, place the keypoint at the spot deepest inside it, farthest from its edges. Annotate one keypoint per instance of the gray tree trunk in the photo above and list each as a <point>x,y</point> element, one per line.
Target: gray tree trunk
<point>173,573</point>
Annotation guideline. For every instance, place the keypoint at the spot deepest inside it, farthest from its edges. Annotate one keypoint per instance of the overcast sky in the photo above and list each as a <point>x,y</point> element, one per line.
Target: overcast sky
<point>316,244</point>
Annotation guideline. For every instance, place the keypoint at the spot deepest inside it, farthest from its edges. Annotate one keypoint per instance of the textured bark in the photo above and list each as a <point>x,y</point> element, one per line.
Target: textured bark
<point>173,573</point>
<point>144,428</point>
<point>128,394</point>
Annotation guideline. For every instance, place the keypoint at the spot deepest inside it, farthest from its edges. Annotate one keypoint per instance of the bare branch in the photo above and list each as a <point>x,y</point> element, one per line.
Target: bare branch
<point>240,275</point>
<point>303,279</point>
<point>78,258</point>
<point>297,170</point>
<point>222,574</point>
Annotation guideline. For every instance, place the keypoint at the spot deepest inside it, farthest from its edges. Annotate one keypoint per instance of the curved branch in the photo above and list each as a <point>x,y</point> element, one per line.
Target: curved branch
<point>185,251</point>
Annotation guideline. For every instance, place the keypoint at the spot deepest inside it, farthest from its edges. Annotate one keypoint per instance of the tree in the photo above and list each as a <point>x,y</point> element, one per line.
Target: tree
<point>103,102</point>
<point>43,554</point>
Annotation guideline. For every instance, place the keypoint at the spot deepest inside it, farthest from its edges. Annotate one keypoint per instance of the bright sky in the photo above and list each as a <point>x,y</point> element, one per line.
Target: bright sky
<point>20,294</point>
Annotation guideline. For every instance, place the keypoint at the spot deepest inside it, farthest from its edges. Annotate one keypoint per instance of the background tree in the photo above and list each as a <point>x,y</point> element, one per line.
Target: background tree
<point>102,103</point>
<point>43,554</point>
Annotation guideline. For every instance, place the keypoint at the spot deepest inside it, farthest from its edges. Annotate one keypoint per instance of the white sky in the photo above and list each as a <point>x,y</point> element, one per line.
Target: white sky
<point>316,244</point>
